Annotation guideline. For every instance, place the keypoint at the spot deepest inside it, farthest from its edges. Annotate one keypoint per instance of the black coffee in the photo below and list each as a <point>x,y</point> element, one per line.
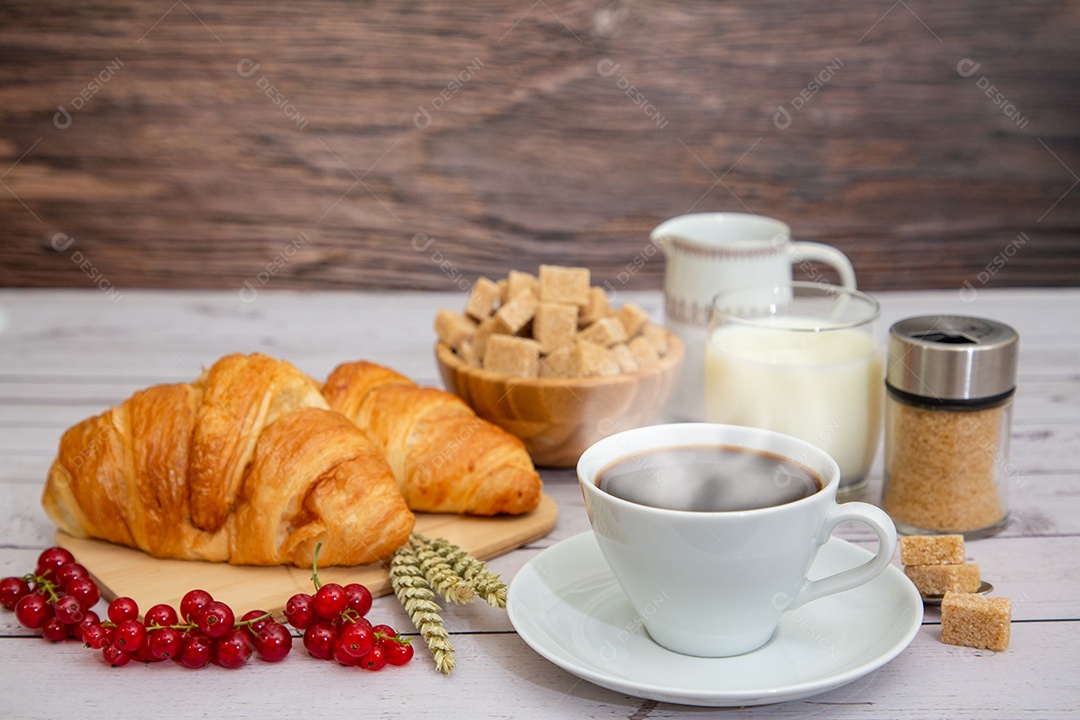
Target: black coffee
<point>708,478</point>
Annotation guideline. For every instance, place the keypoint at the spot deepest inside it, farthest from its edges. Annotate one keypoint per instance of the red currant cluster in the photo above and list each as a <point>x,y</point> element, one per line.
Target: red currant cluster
<point>205,631</point>
<point>58,597</point>
<point>335,627</point>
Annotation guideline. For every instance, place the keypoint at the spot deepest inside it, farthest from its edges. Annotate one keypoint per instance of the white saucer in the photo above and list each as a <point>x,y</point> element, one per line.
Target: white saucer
<point>567,606</point>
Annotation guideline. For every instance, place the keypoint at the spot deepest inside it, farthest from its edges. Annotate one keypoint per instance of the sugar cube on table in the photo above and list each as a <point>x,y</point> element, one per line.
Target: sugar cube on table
<point>976,621</point>
<point>939,579</point>
<point>932,550</point>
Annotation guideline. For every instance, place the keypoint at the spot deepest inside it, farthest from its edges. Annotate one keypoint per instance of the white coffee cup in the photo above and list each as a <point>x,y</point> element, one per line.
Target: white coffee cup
<point>710,253</point>
<point>716,583</point>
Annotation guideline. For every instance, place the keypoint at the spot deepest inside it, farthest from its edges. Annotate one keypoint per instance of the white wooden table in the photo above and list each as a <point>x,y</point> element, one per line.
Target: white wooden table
<point>65,355</point>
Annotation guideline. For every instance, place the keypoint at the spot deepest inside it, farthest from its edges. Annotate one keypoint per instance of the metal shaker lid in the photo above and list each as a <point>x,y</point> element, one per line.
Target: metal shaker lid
<point>952,357</point>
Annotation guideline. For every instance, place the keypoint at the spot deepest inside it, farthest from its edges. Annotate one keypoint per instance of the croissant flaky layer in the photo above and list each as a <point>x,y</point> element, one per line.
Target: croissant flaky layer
<point>246,465</point>
<point>445,458</point>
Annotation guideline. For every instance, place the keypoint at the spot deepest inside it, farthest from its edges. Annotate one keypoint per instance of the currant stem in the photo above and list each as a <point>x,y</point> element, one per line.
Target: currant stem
<point>315,567</point>
<point>191,626</point>
<point>41,583</point>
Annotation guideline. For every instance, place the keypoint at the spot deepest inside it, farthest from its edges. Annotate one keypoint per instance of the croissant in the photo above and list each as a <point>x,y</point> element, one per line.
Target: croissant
<point>445,458</point>
<point>246,465</point>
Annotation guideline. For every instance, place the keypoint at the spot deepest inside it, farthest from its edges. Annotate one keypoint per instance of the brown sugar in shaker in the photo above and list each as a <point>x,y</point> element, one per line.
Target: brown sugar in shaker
<point>948,418</point>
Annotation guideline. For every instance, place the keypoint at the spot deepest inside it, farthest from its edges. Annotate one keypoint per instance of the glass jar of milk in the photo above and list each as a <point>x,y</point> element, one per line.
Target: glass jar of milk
<point>803,359</point>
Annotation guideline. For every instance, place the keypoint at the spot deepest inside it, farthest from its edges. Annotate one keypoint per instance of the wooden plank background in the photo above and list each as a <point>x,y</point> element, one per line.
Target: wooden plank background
<point>389,145</point>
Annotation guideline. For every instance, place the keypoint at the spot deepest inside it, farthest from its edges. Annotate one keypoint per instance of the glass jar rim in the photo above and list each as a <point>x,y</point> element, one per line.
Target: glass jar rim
<point>721,308</point>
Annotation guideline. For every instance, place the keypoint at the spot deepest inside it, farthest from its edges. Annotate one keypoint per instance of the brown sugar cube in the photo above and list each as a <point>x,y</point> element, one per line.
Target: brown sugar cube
<point>605,331</point>
<point>503,286</point>
<point>482,299</point>
<point>563,284</point>
<point>467,352</point>
<point>633,318</point>
<point>518,283</point>
<point>453,328</point>
<point>555,325</point>
<point>515,314</point>
<point>597,307</point>
<point>940,579</point>
<point>657,337</point>
<point>559,363</point>
<point>487,327</point>
<point>511,355</point>
<point>644,352</point>
<point>932,550</point>
<point>627,362</point>
<point>976,621</point>
<point>592,360</point>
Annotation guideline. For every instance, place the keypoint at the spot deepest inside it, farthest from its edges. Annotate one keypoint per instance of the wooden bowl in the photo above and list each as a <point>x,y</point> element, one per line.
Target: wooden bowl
<point>558,419</point>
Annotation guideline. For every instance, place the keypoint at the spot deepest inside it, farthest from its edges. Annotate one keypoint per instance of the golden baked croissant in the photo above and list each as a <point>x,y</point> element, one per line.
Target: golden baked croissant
<point>445,458</point>
<point>246,465</point>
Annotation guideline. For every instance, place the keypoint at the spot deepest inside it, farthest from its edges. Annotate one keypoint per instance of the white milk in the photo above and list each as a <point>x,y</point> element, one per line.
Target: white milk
<point>823,387</point>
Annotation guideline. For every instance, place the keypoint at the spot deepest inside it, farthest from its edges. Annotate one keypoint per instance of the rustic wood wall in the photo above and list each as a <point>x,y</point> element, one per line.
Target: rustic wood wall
<point>335,144</point>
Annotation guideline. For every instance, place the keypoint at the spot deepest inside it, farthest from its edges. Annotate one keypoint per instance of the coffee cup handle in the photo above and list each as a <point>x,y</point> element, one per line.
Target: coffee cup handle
<point>882,526</point>
<point>828,255</point>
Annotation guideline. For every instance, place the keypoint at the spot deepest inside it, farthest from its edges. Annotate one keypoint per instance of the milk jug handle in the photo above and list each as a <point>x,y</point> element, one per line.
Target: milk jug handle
<point>803,251</point>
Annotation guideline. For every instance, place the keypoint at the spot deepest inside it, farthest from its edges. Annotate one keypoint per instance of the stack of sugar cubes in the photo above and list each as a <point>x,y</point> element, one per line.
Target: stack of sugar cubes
<point>937,565</point>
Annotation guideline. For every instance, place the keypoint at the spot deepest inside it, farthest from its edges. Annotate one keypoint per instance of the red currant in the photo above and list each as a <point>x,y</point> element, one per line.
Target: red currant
<point>398,652</point>
<point>343,656</point>
<point>68,610</point>
<point>254,621</point>
<point>215,619</point>
<point>115,656</point>
<point>384,631</point>
<point>94,636</point>
<point>300,611</point>
<point>192,603</point>
<point>319,640</point>
<point>359,598</point>
<point>232,649</point>
<point>273,642</point>
<point>357,639</point>
<point>165,643</point>
<point>89,618</point>
<point>374,660</point>
<point>196,652</point>
<point>130,635</point>
<point>32,611</point>
<point>161,615</point>
<point>52,559</point>
<point>123,608</point>
<point>54,631</point>
<point>66,573</point>
<point>330,601</point>
<point>13,589</point>
<point>85,590</point>
<point>144,655</point>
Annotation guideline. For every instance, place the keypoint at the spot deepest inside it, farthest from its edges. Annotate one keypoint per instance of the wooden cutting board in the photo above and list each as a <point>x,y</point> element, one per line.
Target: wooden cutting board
<point>121,571</point>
